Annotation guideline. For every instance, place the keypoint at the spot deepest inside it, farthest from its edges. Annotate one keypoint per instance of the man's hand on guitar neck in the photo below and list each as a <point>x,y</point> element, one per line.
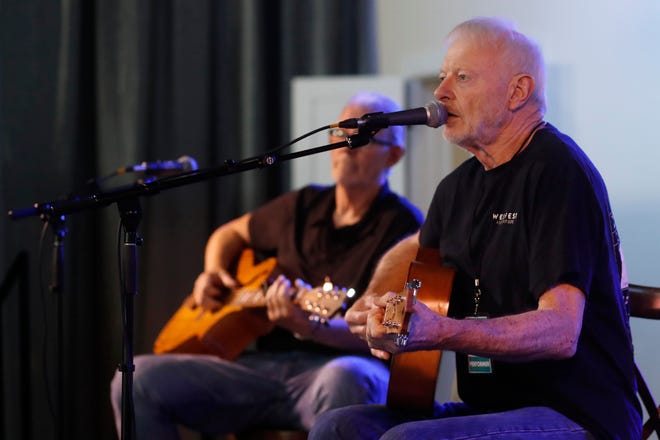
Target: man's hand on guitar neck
<point>282,306</point>
<point>383,342</point>
<point>210,287</point>
<point>391,272</point>
<point>356,316</point>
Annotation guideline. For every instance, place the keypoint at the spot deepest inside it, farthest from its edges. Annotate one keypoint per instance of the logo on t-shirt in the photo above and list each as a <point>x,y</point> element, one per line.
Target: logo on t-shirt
<point>505,218</point>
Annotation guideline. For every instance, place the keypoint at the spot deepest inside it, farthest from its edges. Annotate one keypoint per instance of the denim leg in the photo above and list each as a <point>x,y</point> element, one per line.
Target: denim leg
<point>525,423</point>
<point>370,422</point>
<point>364,422</point>
<point>204,393</point>
<point>346,380</point>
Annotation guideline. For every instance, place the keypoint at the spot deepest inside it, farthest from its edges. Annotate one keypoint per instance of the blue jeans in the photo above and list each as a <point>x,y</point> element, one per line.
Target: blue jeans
<point>214,396</point>
<point>451,421</point>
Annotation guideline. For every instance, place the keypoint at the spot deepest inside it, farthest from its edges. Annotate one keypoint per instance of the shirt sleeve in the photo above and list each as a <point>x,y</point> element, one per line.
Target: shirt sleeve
<point>566,229</point>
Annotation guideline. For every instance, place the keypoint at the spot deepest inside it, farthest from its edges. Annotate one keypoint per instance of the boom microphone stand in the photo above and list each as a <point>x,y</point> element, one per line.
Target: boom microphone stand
<point>127,199</point>
<point>57,224</point>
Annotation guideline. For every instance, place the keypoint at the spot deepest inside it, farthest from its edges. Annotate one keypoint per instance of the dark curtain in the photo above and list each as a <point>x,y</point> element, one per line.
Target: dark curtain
<point>87,87</point>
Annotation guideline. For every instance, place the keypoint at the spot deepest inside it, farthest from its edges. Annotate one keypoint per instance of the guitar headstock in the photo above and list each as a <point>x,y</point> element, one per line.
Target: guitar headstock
<point>399,307</point>
<point>324,301</point>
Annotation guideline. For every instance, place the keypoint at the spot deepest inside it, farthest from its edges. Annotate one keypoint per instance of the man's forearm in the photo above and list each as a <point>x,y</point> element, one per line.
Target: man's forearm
<point>392,270</point>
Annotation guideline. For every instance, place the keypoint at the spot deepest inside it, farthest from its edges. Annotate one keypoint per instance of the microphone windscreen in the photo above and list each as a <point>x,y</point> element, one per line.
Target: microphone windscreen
<point>436,113</point>
<point>188,163</point>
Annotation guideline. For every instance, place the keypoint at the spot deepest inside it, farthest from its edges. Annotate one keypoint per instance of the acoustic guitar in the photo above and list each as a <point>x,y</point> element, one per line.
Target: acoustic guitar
<point>227,332</point>
<point>413,374</point>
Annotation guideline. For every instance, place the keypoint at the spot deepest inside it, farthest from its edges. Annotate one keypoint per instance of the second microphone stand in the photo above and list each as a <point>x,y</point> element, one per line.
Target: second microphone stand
<point>127,199</point>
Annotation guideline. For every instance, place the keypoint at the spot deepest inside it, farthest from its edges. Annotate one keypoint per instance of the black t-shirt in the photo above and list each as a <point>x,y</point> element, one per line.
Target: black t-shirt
<point>297,228</point>
<point>540,220</point>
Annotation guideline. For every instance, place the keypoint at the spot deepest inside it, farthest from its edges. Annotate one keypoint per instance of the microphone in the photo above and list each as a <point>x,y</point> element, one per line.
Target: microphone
<point>162,168</point>
<point>432,114</point>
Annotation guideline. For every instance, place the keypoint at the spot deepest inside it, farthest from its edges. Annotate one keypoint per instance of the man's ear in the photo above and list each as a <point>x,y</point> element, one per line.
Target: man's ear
<point>521,89</point>
<point>395,155</point>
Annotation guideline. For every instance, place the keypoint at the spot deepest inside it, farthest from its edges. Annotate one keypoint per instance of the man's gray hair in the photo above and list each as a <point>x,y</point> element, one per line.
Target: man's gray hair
<point>516,49</point>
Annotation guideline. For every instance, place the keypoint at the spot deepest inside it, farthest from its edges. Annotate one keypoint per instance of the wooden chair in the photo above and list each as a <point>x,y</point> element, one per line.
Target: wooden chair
<point>645,303</point>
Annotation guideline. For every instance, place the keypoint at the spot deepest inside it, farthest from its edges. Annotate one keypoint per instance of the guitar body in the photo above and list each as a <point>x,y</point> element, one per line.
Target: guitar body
<point>231,329</point>
<point>228,331</point>
<point>413,375</point>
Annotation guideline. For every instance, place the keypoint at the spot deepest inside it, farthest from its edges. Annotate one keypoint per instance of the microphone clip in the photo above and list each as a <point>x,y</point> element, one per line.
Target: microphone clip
<point>362,138</point>
<point>370,121</point>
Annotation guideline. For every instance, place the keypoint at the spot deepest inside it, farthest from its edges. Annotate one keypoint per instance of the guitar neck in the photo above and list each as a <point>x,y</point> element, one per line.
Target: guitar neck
<point>247,297</point>
<point>321,302</point>
<point>413,374</point>
<point>399,308</point>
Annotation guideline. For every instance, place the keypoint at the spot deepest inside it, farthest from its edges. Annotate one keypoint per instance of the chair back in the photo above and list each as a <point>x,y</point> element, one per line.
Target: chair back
<point>644,302</point>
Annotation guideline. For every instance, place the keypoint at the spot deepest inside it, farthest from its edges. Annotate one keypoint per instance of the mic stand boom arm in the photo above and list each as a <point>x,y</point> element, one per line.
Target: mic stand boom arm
<point>151,187</point>
<point>127,199</point>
